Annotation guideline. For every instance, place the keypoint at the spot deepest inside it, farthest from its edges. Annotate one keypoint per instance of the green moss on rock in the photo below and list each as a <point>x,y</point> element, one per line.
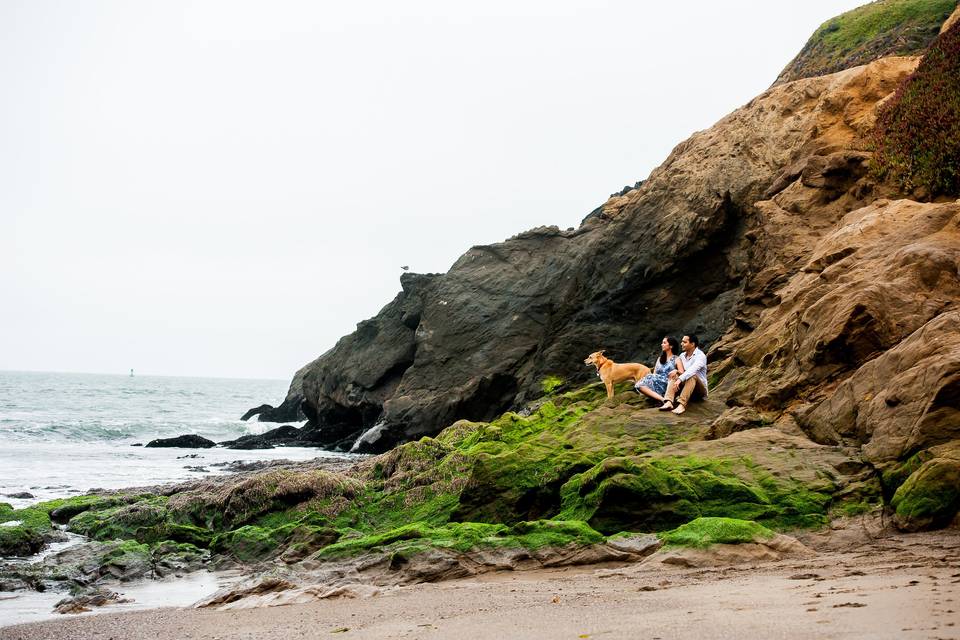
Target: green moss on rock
<point>703,532</point>
<point>930,498</point>
<point>550,384</point>
<point>518,474</point>
<point>231,505</point>
<point>144,521</point>
<point>27,536</point>
<point>418,537</point>
<point>650,494</point>
<point>252,543</point>
<point>63,509</point>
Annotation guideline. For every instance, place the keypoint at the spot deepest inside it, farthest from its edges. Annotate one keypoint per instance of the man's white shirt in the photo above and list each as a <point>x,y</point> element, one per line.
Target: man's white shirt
<point>694,365</point>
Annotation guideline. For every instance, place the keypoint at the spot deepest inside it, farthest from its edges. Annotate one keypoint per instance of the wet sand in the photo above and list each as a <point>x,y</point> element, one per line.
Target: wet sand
<point>899,586</point>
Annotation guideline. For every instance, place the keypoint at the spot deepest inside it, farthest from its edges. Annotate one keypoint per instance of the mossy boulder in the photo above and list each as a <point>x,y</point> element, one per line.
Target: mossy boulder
<point>764,475</point>
<point>170,558</point>
<point>86,564</point>
<point>252,543</point>
<point>930,497</point>
<point>703,532</point>
<point>23,531</point>
<point>519,463</point>
<point>566,470</point>
<point>63,509</point>
<point>144,521</point>
<point>418,537</point>
<point>35,523</point>
<point>223,506</point>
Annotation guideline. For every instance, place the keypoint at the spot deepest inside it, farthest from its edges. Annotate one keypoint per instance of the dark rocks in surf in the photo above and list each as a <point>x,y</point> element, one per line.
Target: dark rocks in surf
<point>287,435</point>
<point>188,441</point>
<point>20,495</point>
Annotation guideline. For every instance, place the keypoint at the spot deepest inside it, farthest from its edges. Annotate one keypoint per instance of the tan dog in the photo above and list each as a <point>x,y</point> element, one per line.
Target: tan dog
<point>611,372</point>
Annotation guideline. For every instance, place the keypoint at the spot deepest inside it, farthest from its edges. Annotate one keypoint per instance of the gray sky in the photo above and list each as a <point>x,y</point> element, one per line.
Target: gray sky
<point>226,188</point>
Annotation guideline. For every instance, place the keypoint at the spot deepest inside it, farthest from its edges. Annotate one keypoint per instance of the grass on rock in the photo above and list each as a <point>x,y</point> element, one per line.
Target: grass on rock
<point>703,532</point>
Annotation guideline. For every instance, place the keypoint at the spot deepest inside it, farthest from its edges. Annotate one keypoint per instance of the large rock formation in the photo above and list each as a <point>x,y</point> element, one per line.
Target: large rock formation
<point>703,245</point>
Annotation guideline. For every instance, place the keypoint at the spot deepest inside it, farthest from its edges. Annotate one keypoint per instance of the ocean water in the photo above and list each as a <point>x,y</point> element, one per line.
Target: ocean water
<point>62,434</point>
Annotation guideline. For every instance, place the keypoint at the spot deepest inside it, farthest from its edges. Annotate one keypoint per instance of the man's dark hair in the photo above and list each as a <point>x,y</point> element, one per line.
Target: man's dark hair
<point>692,337</point>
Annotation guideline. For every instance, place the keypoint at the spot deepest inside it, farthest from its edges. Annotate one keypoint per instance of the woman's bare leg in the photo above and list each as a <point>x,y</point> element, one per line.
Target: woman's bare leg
<point>650,393</point>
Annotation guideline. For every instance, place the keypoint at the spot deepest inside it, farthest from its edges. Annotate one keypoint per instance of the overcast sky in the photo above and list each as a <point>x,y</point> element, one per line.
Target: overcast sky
<point>226,188</point>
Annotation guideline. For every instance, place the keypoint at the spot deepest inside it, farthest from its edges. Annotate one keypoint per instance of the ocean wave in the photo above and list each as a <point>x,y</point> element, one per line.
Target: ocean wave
<point>90,408</point>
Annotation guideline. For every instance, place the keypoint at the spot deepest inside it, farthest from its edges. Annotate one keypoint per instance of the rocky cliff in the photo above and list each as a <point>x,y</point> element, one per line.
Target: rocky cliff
<point>766,234</point>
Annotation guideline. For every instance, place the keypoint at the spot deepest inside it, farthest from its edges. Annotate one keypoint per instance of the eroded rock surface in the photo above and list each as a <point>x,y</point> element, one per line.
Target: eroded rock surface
<point>737,207</point>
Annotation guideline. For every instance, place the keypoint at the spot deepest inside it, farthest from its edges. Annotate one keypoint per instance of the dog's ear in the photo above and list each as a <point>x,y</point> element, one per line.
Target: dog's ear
<point>601,352</point>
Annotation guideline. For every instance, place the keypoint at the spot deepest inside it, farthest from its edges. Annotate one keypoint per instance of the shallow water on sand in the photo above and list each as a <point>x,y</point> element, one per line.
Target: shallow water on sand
<point>32,606</point>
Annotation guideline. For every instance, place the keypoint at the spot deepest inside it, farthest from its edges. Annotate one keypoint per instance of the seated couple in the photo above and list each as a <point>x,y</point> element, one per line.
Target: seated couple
<point>686,372</point>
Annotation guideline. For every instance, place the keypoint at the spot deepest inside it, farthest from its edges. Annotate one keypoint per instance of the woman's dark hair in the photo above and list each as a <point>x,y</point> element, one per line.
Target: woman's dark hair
<point>674,348</point>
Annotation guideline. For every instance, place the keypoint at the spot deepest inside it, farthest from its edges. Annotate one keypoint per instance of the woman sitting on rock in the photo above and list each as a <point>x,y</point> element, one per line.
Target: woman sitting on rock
<point>654,385</point>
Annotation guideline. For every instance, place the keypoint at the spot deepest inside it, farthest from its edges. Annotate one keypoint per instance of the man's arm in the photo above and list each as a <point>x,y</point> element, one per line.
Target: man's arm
<point>698,362</point>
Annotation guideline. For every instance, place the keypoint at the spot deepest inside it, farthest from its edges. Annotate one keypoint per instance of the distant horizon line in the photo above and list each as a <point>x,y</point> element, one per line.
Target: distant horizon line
<point>137,375</point>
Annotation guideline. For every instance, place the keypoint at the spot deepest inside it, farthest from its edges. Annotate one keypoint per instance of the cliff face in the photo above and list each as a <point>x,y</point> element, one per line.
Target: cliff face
<point>765,234</point>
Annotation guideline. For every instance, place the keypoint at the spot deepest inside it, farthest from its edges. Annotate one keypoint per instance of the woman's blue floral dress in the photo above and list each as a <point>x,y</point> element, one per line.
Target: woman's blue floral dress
<point>657,381</point>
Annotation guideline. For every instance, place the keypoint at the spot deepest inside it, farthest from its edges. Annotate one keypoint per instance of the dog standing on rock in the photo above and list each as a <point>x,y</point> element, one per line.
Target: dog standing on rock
<point>611,372</point>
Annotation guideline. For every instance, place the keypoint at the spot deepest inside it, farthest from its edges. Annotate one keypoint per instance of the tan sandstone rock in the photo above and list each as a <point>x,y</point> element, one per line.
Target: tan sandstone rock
<point>777,548</point>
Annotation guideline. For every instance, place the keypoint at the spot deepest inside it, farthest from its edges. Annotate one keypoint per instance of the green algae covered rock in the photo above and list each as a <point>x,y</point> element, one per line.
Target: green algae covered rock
<point>930,497</point>
<point>252,543</point>
<point>764,475</point>
<point>418,537</point>
<point>518,469</point>
<point>34,524</point>
<point>703,532</point>
<point>23,531</point>
<point>145,520</point>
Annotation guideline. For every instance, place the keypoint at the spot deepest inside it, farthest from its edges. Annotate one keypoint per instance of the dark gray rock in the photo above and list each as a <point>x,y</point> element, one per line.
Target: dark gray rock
<point>286,435</point>
<point>188,441</point>
<point>480,339</point>
<point>20,495</point>
<point>85,602</point>
<point>290,410</point>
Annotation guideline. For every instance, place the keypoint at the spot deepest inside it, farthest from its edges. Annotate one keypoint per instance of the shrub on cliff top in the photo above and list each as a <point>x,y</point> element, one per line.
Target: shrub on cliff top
<point>874,30</point>
<point>863,24</point>
<point>917,137</point>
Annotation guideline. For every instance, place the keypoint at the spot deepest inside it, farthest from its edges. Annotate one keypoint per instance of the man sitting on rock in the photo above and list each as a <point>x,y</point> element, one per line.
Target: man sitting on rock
<point>692,382</point>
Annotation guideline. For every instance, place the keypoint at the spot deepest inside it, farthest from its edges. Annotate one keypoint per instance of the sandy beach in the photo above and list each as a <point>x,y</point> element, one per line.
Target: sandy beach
<point>895,586</point>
